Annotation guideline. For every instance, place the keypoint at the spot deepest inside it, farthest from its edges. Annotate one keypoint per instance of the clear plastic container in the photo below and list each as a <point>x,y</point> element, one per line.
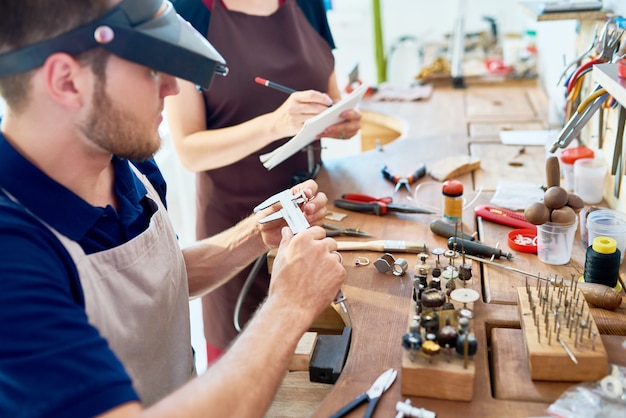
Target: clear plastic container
<point>589,176</point>
<point>555,242</point>
<point>568,157</point>
<point>607,223</point>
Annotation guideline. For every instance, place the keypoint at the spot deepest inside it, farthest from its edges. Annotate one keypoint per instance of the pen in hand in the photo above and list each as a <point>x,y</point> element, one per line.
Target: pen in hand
<point>273,85</point>
<point>279,87</point>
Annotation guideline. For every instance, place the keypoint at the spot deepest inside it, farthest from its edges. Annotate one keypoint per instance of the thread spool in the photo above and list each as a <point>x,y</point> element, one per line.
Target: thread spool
<point>452,191</point>
<point>602,262</point>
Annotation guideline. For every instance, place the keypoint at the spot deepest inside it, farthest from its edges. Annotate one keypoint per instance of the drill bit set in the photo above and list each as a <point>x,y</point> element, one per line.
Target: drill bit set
<point>561,338</point>
<point>439,345</point>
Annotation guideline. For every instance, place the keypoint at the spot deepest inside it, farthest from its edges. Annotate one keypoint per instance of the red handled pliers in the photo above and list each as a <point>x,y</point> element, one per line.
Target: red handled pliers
<point>378,206</point>
<point>404,181</point>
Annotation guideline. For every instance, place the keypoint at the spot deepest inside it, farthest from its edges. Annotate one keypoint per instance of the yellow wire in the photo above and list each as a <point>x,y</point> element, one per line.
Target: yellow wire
<point>572,97</point>
<point>593,96</point>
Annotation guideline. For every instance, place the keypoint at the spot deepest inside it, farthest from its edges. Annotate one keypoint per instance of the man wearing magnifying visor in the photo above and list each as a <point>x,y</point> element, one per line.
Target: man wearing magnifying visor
<point>94,293</point>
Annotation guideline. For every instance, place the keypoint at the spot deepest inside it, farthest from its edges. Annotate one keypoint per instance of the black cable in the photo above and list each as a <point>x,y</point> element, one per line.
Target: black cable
<point>244,290</point>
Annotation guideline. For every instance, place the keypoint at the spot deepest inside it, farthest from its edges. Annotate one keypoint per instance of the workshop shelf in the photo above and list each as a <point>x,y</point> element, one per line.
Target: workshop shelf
<point>606,76</point>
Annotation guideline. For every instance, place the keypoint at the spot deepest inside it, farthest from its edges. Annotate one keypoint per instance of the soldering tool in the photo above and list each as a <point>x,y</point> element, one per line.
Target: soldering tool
<point>476,248</point>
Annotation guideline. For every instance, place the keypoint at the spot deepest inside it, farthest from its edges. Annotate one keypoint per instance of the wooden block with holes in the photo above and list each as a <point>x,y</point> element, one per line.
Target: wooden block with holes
<point>548,358</point>
<point>448,376</point>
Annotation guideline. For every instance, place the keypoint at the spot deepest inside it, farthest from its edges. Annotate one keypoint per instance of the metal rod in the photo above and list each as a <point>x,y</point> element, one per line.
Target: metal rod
<point>568,351</point>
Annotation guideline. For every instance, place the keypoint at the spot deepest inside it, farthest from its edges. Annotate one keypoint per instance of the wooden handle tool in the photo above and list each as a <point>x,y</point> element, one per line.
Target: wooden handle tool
<point>600,295</point>
<point>414,247</point>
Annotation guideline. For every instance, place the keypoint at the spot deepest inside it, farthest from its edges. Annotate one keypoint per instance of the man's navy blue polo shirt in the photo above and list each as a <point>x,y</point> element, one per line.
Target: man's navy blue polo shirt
<point>52,361</point>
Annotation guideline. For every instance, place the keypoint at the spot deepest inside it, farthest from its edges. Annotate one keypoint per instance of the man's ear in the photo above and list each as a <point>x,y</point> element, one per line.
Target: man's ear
<point>66,81</point>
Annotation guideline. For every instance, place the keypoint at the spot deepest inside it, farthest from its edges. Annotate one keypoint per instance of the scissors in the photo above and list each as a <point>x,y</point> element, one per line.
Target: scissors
<point>381,384</point>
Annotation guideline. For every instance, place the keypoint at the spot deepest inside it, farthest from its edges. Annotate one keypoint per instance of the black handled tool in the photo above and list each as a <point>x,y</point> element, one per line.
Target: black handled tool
<point>446,230</point>
<point>476,248</point>
<point>372,396</point>
<point>405,181</point>
<point>378,208</point>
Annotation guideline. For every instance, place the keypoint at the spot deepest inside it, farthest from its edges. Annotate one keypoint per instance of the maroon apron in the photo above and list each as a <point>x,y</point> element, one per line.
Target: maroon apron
<point>284,48</point>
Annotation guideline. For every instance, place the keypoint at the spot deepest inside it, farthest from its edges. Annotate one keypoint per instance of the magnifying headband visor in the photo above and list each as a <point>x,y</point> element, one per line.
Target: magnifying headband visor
<point>146,32</point>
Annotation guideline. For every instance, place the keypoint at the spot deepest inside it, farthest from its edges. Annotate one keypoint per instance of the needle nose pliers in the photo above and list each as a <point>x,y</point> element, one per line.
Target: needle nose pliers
<point>404,181</point>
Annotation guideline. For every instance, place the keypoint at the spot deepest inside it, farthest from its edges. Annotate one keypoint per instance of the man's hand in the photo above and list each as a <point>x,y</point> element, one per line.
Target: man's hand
<point>307,272</point>
<point>314,211</point>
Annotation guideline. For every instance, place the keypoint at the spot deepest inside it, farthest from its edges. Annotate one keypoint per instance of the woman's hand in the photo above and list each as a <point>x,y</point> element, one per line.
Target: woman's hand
<point>347,128</point>
<point>288,119</point>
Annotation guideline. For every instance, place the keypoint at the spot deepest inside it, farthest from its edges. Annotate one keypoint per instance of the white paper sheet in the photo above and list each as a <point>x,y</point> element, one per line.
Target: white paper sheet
<point>313,127</point>
<point>541,137</point>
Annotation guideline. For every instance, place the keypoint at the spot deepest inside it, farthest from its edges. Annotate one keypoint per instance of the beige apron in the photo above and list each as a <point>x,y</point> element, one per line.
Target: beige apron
<point>137,296</point>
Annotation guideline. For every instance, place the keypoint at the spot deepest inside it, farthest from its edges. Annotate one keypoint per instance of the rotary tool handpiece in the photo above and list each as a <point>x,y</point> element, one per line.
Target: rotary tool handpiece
<point>476,248</point>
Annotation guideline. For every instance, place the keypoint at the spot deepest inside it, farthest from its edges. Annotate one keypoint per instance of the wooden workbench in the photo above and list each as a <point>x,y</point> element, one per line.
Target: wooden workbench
<point>379,303</point>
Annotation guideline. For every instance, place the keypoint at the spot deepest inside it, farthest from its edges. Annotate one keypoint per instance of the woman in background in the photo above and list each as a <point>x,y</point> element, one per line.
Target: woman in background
<point>220,133</point>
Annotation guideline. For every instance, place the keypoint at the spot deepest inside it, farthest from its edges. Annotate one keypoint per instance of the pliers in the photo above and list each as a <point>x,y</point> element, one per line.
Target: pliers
<point>372,396</point>
<point>583,114</point>
<point>404,181</point>
<point>335,230</point>
<point>378,206</point>
<point>608,43</point>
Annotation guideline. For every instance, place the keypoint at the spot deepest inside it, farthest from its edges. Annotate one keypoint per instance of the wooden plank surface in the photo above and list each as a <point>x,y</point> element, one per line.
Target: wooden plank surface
<point>500,163</point>
<point>499,104</point>
<point>491,130</point>
<point>509,359</point>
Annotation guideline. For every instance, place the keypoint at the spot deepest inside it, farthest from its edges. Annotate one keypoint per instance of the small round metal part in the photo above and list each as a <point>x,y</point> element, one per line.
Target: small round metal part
<point>465,313</point>
<point>464,295</point>
<point>437,251</point>
<point>433,298</point>
<point>431,348</point>
<point>400,267</point>
<point>450,273</point>
<point>430,336</point>
<point>361,261</point>
<point>451,254</point>
<point>465,272</point>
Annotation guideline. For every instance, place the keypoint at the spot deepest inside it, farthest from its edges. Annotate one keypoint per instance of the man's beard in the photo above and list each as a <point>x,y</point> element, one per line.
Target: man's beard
<point>117,133</point>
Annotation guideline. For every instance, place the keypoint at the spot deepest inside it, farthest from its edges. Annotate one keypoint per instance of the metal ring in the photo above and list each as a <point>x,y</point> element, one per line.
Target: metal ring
<point>342,135</point>
<point>400,267</point>
<point>361,261</point>
<point>338,255</point>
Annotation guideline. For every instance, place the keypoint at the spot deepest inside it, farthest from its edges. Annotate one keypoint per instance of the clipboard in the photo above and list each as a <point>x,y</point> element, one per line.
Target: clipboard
<point>311,128</point>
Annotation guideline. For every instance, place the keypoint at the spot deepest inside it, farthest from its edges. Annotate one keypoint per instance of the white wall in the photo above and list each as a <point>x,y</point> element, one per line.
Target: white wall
<point>430,21</point>
<point>352,25</point>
